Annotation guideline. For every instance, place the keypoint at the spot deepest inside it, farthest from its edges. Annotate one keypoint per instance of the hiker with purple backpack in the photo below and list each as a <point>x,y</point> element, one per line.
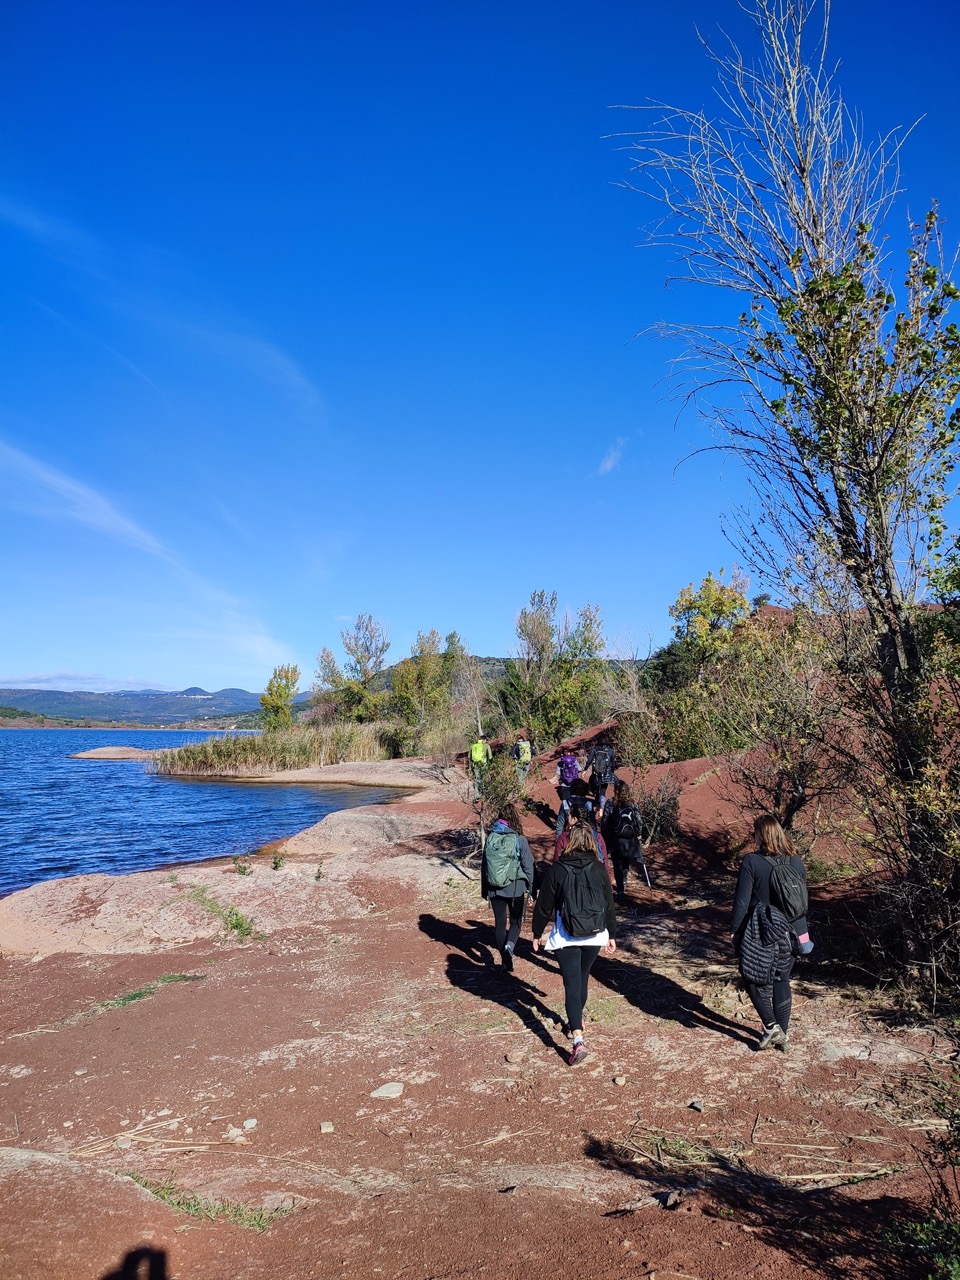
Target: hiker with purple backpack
<point>568,772</point>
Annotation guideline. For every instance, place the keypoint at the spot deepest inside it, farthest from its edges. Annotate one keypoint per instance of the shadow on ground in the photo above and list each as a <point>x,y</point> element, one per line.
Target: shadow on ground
<point>140,1264</point>
<point>822,1230</point>
<point>473,970</point>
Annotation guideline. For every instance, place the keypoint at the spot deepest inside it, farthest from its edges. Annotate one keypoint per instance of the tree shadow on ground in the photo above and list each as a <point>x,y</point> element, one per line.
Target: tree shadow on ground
<point>541,810</point>
<point>473,971</point>
<point>823,1230</point>
<point>712,846</point>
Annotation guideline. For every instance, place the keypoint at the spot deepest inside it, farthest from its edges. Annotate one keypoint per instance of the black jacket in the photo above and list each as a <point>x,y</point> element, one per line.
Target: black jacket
<point>607,775</point>
<point>551,891</point>
<point>766,954</point>
<point>753,886</point>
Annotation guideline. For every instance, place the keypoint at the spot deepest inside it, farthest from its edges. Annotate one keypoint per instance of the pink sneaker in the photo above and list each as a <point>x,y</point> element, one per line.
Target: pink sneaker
<point>577,1054</point>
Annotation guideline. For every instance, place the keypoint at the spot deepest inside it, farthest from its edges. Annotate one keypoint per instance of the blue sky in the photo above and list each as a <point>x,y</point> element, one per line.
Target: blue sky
<point>313,309</point>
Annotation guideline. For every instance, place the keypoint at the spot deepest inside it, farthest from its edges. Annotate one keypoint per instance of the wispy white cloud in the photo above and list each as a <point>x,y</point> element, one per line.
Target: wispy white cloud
<point>98,342</point>
<point>264,360</point>
<point>55,234</point>
<point>53,494</point>
<point>82,681</point>
<point>611,459</point>
<point>129,282</point>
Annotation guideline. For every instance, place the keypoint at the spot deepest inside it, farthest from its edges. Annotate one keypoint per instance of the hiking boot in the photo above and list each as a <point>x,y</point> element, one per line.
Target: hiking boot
<point>506,956</point>
<point>784,1043</point>
<point>772,1038</point>
<point>577,1054</point>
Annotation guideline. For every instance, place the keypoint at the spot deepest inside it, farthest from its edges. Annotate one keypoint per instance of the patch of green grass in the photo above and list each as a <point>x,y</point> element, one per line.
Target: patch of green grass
<point>129,998</point>
<point>205,1208</point>
<point>278,861</point>
<point>243,866</point>
<point>231,918</point>
<point>148,990</point>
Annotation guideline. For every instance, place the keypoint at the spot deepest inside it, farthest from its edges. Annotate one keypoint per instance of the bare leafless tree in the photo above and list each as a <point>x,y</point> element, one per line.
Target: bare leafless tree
<point>839,401</point>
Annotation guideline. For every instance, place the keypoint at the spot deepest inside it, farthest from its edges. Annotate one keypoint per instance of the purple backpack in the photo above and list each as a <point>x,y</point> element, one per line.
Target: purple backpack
<point>569,769</point>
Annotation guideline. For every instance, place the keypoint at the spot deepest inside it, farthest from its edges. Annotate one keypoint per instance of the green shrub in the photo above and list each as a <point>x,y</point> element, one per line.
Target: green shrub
<point>933,1243</point>
<point>250,755</point>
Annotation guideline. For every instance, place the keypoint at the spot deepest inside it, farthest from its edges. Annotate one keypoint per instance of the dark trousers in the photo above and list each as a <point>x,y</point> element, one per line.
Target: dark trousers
<point>563,808</point>
<point>575,965</point>
<point>622,853</point>
<point>773,1001</point>
<point>502,907</point>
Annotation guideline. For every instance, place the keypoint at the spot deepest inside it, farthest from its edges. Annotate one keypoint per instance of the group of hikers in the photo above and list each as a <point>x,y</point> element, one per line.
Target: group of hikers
<point>572,890</point>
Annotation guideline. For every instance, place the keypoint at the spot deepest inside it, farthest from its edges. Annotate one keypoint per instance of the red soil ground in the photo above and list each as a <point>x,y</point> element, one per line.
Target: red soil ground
<point>675,1151</point>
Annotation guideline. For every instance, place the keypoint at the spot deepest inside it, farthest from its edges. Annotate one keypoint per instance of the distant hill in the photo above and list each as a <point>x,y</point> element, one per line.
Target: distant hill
<point>154,706</point>
<point>145,706</point>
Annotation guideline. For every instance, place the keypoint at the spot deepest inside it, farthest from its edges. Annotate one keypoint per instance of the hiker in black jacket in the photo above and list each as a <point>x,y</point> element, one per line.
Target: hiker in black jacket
<point>772,1000</point>
<point>622,829</point>
<point>603,764</point>
<point>577,902</point>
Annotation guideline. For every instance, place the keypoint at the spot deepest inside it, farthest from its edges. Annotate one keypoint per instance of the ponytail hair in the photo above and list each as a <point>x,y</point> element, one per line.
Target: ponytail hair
<point>771,837</point>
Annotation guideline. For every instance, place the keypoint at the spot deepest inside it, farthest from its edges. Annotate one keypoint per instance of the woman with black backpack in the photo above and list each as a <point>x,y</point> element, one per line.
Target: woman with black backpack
<point>577,901</point>
<point>769,927</point>
<point>622,829</point>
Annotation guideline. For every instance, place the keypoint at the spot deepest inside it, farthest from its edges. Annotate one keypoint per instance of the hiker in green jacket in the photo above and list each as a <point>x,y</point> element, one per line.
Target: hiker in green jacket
<point>480,757</point>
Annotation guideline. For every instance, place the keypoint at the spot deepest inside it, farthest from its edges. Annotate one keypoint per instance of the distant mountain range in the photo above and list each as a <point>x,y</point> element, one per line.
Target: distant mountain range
<point>145,706</point>
<point>155,706</point>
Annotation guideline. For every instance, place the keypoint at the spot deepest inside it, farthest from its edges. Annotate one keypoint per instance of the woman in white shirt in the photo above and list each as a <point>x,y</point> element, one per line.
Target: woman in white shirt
<point>577,902</point>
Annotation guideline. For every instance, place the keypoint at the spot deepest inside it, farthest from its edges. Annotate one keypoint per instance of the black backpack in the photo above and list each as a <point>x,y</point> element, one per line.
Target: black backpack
<point>603,763</point>
<point>788,889</point>
<point>583,903</point>
<point>628,823</point>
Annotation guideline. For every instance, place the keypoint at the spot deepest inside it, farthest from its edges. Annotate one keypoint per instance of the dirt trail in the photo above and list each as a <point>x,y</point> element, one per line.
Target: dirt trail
<point>675,1151</point>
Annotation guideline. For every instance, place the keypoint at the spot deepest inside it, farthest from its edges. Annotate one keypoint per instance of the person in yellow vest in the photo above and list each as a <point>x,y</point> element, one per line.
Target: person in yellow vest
<point>521,753</point>
<point>480,757</point>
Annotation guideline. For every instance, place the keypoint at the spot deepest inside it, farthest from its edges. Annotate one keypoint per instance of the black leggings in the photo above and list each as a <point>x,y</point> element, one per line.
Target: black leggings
<point>773,1002</point>
<point>501,906</point>
<point>575,965</point>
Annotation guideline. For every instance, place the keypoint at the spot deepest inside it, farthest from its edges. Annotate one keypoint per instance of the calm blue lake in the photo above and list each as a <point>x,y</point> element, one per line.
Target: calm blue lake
<point>63,817</point>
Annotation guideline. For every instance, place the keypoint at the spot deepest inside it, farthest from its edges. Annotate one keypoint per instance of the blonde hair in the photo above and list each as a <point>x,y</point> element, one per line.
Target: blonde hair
<point>581,840</point>
<point>771,837</point>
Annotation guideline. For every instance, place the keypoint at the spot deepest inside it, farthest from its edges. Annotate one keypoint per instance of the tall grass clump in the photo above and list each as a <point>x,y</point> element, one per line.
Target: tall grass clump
<point>299,748</point>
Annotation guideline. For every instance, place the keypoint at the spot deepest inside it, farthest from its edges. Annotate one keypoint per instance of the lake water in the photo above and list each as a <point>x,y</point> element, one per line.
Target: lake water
<point>63,817</point>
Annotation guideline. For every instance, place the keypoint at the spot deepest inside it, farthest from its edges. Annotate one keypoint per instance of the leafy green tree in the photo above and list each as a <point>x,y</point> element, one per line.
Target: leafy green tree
<point>276,701</point>
<point>554,684</point>
<point>422,683</point>
<point>345,692</point>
